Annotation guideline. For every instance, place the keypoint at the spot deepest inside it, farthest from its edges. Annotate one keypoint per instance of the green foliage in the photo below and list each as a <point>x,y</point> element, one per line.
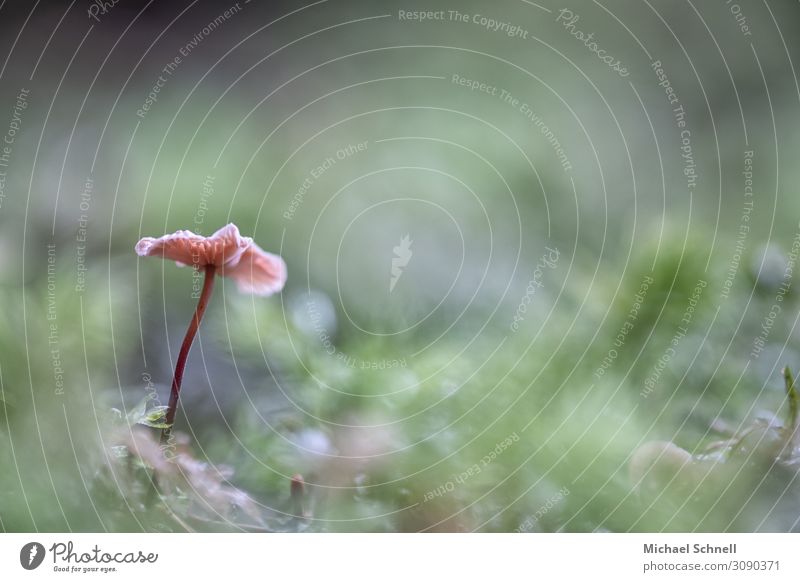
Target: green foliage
<point>151,416</point>
<point>530,440</point>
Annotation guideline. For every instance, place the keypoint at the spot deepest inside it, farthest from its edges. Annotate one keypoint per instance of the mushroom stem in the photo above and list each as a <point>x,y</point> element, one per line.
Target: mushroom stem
<point>205,295</point>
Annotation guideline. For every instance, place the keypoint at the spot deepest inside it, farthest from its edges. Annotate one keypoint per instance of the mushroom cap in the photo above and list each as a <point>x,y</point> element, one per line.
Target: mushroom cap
<point>257,271</point>
<point>237,257</point>
<point>190,249</point>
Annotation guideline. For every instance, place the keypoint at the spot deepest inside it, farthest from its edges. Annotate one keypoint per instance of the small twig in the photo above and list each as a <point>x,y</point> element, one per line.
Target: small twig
<point>297,494</point>
<point>794,400</point>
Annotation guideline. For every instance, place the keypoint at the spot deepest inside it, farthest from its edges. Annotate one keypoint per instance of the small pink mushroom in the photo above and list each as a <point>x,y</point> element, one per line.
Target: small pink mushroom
<point>225,252</point>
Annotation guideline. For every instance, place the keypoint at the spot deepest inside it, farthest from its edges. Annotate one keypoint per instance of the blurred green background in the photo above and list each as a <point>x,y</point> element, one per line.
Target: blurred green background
<point>592,266</point>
